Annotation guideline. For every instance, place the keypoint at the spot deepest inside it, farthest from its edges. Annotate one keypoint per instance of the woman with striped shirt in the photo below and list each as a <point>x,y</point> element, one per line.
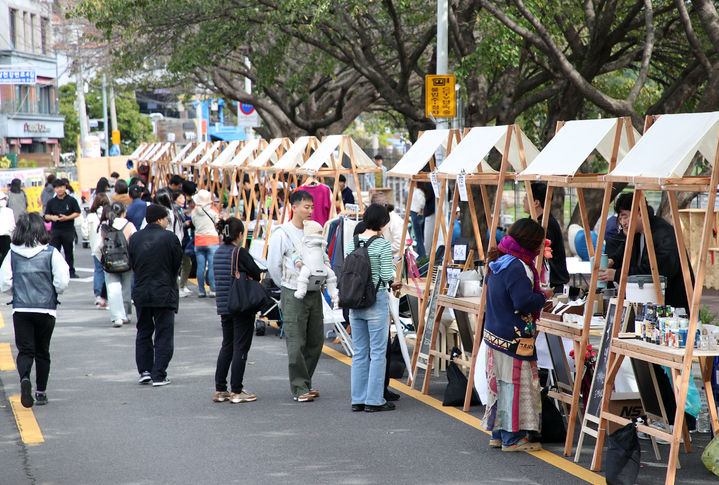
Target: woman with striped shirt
<point>371,325</point>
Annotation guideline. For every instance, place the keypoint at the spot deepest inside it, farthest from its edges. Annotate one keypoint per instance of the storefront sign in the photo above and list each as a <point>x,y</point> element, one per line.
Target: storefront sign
<point>35,128</point>
<point>10,74</point>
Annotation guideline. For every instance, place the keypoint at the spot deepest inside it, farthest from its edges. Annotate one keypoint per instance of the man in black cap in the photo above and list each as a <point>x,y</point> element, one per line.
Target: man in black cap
<point>61,210</point>
<point>155,257</point>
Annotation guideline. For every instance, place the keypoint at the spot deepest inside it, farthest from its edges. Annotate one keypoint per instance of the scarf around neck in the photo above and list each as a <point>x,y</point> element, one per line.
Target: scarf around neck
<point>509,245</point>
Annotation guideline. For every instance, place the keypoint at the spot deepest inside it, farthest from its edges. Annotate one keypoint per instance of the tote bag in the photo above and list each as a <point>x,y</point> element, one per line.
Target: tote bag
<point>245,295</point>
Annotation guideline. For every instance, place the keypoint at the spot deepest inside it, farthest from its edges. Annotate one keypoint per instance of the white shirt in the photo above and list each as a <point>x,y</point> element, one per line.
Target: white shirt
<point>7,221</point>
<point>418,201</point>
<point>284,242</point>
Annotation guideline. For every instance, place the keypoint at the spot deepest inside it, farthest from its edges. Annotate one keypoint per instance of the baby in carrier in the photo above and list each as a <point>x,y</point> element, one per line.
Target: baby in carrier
<point>312,263</point>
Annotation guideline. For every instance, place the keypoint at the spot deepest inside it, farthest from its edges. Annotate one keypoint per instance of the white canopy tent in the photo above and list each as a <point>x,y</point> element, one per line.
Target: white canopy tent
<point>294,156</point>
<point>574,143</point>
<point>138,151</point>
<point>179,156</point>
<point>244,154</point>
<point>668,147</point>
<point>268,155</point>
<point>196,152</point>
<point>210,151</point>
<point>476,145</point>
<point>226,155</point>
<point>324,155</point>
<point>420,153</point>
<point>162,151</point>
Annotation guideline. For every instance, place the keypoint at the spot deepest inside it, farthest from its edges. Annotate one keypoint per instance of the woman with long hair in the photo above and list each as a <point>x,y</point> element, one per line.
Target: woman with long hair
<point>237,328</point>
<point>514,302</point>
<point>119,285</point>
<point>204,217</point>
<point>93,221</point>
<point>36,273</point>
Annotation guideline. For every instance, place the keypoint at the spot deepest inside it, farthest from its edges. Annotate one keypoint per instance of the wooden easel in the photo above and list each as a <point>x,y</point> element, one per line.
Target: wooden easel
<point>569,177</point>
<point>687,130</point>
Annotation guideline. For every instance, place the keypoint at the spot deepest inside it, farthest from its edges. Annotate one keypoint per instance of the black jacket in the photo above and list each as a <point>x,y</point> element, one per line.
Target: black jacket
<point>155,257</point>
<point>223,272</point>
<point>558,274</point>
<point>667,254</point>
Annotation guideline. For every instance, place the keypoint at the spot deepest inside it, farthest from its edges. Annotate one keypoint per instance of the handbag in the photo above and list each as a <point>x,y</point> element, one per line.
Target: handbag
<point>245,295</point>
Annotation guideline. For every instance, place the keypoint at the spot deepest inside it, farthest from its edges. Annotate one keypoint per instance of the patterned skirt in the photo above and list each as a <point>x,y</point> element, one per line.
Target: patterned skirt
<point>513,393</point>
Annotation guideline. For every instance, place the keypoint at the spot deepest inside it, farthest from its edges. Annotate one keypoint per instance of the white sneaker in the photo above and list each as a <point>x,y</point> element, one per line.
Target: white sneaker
<point>117,323</point>
<point>183,292</point>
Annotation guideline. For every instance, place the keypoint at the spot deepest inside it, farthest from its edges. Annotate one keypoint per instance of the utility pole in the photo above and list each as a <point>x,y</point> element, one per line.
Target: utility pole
<point>81,109</point>
<point>198,116</point>
<point>115,149</point>
<point>104,115</point>
<point>442,47</point>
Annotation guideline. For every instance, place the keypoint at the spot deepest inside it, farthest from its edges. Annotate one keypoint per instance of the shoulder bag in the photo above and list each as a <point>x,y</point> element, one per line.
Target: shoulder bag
<point>245,295</point>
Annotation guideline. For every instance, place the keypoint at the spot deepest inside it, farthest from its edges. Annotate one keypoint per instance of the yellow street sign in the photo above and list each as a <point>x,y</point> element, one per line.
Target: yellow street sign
<point>440,98</point>
<point>115,137</point>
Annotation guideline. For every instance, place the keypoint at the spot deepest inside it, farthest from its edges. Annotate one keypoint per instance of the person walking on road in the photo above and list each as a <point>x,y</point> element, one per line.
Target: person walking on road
<point>62,210</point>
<point>36,273</point>
<point>7,226</point>
<point>204,217</point>
<point>155,257</point>
<point>48,192</point>
<point>17,199</point>
<point>514,300</point>
<point>118,285</point>
<point>302,319</point>
<point>237,328</point>
<point>93,229</point>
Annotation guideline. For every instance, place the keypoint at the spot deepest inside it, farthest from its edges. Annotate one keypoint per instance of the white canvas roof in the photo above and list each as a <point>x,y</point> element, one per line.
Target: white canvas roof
<point>210,151</point>
<point>419,154</point>
<point>226,154</point>
<point>476,145</point>
<point>199,150</point>
<point>151,151</point>
<point>324,152</point>
<point>668,146</point>
<point>141,148</point>
<point>294,156</point>
<point>181,153</point>
<point>269,154</point>
<point>159,153</point>
<point>245,153</point>
<point>574,142</point>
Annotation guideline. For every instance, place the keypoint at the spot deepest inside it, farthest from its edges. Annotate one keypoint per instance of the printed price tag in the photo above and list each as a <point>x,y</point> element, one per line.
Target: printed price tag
<point>435,184</point>
<point>462,187</point>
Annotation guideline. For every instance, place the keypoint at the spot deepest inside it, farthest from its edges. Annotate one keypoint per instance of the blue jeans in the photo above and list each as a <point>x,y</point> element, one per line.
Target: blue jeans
<point>98,277</point>
<point>205,259</point>
<point>508,437</point>
<point>418,229</point>
<point>370,327</point>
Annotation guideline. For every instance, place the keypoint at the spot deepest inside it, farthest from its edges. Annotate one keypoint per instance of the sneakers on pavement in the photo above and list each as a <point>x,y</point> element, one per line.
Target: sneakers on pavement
<point>117,323</point>
<point>184,291</point>
<point>221,396</point>
<point>390,396</point>
<point>495,443</point>
<point>314,393</point>
<point>163,382</point>
<point>40,398</point>
<point>26,393</point>
<point>523,445</point>
<point>242,397</point>
<point>145,378</point>
<point>202,295</point>
<point>211,294</point>
<point>388,406</point>
<point>74,275</point>
<point>304,398</point>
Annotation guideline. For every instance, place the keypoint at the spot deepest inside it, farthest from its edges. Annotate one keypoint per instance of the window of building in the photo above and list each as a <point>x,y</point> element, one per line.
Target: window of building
<point>22,99</point>
<point>33,45</point>
<point>44,35</point>
<point>13,28</point>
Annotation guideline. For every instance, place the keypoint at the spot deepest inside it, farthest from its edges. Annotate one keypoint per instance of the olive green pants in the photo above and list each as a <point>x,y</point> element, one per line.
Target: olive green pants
<point>303,324</point>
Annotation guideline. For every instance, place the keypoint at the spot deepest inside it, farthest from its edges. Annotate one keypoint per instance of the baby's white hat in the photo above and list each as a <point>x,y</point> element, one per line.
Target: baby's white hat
<point>312,227</point>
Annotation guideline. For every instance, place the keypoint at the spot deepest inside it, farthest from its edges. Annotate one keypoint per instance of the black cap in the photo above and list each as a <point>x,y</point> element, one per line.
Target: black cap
<point>154,213</point>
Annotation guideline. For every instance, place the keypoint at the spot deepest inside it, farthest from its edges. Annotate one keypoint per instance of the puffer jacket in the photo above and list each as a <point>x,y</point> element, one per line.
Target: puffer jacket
<point>223,272</point>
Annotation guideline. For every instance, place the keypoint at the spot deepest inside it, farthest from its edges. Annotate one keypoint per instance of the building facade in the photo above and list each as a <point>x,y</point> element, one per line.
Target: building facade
<point>30,121</point>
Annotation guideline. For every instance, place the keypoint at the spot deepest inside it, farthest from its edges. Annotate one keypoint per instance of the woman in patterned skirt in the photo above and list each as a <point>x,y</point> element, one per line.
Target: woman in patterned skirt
<point>514,301</point>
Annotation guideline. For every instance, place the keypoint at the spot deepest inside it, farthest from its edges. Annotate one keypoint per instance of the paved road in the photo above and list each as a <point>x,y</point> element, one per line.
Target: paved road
<point>101,427</point>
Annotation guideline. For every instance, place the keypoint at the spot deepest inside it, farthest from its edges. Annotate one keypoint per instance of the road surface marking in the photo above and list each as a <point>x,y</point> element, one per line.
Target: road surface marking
<point>26,422</point>
<point>544,455</point>
<point>6,360</point>
<point>2,321</point>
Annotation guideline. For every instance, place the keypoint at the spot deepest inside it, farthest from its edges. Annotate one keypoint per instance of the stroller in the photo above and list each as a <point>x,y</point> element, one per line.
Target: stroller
<point>271,311</point>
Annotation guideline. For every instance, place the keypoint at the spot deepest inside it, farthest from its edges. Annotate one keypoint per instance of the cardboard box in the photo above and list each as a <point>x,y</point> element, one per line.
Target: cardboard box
<point>625,408</point>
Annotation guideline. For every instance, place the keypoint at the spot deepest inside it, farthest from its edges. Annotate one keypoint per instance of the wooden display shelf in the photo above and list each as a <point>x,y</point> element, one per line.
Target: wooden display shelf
<point>568,330</point>
<point>410,288</point>
<point>469,304</point>
<point>657,354</point>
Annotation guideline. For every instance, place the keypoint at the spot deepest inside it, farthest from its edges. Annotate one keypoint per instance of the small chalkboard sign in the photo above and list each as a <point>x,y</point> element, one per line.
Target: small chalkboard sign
<point>562,373</point>
<point>596,391</point>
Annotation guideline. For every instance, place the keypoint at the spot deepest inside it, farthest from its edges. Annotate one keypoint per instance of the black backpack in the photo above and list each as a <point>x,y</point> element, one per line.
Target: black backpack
<point>355,282</point>
<point>115,255</point>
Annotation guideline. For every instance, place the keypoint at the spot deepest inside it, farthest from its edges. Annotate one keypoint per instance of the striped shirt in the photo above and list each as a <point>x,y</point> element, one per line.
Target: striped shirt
<point>380,257</point>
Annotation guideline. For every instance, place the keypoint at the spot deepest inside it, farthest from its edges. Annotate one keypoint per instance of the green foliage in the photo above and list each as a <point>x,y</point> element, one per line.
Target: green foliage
<point>707,317</point>
<point>134,127</point>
